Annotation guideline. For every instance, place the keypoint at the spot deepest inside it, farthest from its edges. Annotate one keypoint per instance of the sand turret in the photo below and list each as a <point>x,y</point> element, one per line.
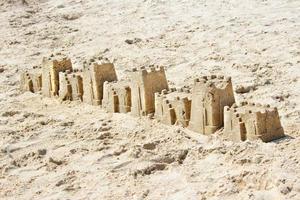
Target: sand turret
<point>250,121</point>
<point>210,95</point>
<point>173,106</point>
<point>31,80</point>
<point>95,73</point>
<point>51,66</point>
<point>145,83</point>
<point>117,96</point>
<point>71,85</point>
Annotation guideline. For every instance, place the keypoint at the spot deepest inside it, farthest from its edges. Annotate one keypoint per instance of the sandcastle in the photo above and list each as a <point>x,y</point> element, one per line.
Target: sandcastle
<point>250,121</point>
<point>173,106</point>
<point>210,95</point>
<point>31,81</point>
<point>51,67</point>
<point>117,96</point>
<point>70,85</point>
<point>206,108</point>
<point>145,83</point>
<point>95,73</point>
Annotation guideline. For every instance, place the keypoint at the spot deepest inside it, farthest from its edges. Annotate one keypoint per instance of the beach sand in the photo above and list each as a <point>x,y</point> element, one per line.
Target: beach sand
<point>69,150</point>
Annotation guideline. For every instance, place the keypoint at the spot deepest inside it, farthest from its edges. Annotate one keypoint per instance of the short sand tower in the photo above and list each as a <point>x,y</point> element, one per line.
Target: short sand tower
<point>50,73</point>
<point>117,96</point>
<point>173,106</point>
<point>145,83</point>
<point>209,97</point>
<point>71,85</point>
<point>95,73</point>
<point>250,121</point>
<point>31,81</point>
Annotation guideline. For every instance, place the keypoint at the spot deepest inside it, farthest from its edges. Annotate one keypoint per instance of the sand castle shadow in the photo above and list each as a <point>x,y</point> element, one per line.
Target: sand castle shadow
<point>283,139</point>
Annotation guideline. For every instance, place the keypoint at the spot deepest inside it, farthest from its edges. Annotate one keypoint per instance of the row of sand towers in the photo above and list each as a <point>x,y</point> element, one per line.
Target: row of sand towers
<point>205,107</point>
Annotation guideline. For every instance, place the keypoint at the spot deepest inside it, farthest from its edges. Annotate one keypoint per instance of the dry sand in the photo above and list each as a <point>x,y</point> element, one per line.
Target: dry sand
<point>55,150</point>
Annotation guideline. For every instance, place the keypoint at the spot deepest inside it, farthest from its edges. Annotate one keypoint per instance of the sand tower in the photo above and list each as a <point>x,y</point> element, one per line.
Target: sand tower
<point>145,83</point>
<point>250,121</point>
<point>173,106</point>
<point>71,85</point>
<point>95,73</point>
<point>50,73</point>
<point>31,81</point>
<point>117,96</point>
<point>209,96</point>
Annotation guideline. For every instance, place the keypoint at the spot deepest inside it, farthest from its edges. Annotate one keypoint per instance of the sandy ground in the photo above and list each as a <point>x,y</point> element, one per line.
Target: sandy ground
<point>68,150</point>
